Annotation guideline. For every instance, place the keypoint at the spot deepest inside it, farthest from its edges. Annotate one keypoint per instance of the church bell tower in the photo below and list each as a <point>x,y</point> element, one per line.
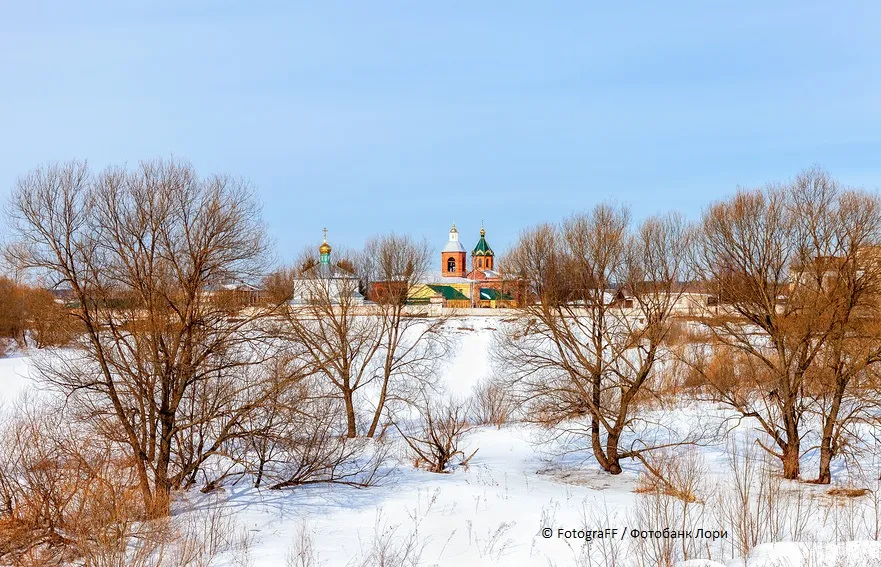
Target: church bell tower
<point>453,256</point>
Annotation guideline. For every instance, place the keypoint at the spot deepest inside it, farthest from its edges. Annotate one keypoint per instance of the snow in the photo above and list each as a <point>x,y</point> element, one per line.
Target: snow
<point>492,513</point>
<point>14,378</point>
<point>489,514</point>
<point>472,361</point>
<point>792,554</point>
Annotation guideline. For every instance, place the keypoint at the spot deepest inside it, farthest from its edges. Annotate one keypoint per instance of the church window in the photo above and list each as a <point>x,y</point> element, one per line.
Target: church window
<point>479,263</point>
<point>451,265</point>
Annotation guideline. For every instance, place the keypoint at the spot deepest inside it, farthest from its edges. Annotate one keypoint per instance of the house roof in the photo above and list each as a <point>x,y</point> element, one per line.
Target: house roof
<point>453,246</point>
<point>231,285</point>
<point>488,293</point>
<point>487,274</point>
<point>329,271</point>
<point>448,292</point>
<point>431,277</point>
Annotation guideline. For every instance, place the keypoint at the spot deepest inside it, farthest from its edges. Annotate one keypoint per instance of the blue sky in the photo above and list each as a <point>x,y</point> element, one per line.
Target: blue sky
<point>375,116</point>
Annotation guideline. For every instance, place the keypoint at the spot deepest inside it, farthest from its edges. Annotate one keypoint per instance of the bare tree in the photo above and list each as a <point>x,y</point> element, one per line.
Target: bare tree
<point>327,327</point>
<point>298,438</point>
<point>13,311</point>
<point>786,264</point>
<point>842,382</point>
<point>361,347</point>
<point>162,368</point>
<point>437,437</point>
<point>411,343</point>
<point>580,352</point>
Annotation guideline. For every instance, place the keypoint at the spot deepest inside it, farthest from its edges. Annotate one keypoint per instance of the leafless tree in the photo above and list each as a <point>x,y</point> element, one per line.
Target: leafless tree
<point>436,438</point>
<point>299,438</point>
<point>493,403</point>
<point>364,346</point>
<point>843,383</point>
<point>162,368</point>
<point>410,343</point>
<point>583,351</point>
<point>327,327</point>
<point>13,311</point>
<point>789,265</point>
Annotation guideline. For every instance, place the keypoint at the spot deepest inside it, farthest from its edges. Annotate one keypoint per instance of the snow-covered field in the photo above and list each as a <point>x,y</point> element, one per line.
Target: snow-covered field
<point>502,508</point>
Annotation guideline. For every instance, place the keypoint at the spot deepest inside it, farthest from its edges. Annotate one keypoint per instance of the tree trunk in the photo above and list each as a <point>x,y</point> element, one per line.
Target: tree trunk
<point>826,451</point>
<point>351,432</point>
<point>611,461</point>
<point>259,478</point>
<point>791,449</point>
<point>791,454</point>
<point>825,475</point>
<point>161,503</point>
<point>381,404</point>
<point>826,442</point>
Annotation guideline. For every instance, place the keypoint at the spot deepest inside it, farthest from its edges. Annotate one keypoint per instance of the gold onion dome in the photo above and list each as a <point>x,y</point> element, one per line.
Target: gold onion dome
<point>325,247</point>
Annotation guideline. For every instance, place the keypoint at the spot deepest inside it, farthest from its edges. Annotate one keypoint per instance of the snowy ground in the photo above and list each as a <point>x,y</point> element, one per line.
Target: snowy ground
<point>14,376</point>
<point>494,513</point>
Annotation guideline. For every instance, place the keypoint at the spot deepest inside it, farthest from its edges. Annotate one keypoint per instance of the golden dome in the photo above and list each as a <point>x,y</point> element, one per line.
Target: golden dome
<point>325,247</point>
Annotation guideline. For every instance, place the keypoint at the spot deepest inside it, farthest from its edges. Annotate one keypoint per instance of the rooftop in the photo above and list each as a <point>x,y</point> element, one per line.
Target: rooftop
<point>453,246</point>
<point>439,277</point>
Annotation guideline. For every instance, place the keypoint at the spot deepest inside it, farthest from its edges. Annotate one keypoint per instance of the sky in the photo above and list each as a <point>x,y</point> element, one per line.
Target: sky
<point>371,117</point>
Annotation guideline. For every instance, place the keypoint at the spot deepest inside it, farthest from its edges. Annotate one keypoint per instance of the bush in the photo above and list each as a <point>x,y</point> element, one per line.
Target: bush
<point>443,426</point>
<point>493,403</point>
<point>24,308</point>
<point>68,497</point>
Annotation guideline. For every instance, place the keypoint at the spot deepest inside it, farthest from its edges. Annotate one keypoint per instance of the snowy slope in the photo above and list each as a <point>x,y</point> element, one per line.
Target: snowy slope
<point>14,378</point>
<point>493,513</point>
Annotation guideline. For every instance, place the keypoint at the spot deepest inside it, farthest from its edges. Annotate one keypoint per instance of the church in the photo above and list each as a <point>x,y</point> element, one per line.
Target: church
<point>454,285</point>
<point>326,281</point>
<point>457,286</point>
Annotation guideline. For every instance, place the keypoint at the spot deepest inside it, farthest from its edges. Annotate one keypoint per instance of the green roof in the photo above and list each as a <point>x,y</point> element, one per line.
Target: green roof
<point>482,248</point>
<point>448,292</point>
<point>493,294</point>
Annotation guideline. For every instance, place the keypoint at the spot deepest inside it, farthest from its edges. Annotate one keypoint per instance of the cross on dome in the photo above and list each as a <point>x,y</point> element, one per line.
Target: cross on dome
<point>324,249</point>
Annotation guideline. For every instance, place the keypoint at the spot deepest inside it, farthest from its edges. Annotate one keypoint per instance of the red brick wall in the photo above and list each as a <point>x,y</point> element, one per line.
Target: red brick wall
<point>481,262</point>
<point>459,257</point>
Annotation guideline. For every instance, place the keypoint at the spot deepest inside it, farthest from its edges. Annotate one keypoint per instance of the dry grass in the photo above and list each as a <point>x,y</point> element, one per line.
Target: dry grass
<point>646,484</point>
<point>494,403</point>
<point>69,498</point>
<point>681,475</point>
<point>847,492</point>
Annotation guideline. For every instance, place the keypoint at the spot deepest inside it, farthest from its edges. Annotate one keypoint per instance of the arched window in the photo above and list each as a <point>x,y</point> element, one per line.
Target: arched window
<point>451,265</point>
<point>480,262</point>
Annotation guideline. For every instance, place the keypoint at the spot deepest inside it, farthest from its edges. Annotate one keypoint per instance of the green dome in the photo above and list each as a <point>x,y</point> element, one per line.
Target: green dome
<point>482,248</point>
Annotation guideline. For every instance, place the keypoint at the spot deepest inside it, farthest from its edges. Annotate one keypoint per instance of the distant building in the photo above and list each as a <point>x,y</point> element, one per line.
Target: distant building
<point>326,281</point>
<point>690,299</point>
<point>453,286</point>
<point>453,256</point>
<point>236,293</point>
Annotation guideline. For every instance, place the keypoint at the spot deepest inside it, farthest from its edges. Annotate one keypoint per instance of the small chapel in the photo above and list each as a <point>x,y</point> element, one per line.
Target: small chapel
<point>326,281</point>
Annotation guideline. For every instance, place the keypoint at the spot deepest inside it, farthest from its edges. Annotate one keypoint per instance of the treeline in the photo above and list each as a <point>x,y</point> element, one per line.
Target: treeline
<point>31,315</point>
